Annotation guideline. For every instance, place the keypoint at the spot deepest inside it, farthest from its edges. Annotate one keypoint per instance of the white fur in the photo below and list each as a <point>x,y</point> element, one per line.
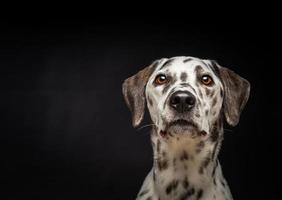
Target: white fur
<point>182,140</point>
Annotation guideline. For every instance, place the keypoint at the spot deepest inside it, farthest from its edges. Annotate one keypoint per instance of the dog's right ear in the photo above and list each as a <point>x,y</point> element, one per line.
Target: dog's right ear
<point>133,89</point>
<point>236,93</point>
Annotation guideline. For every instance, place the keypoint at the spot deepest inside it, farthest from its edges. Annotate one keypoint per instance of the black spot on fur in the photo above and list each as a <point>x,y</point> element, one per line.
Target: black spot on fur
<point>212,93</point>
<point>188,194</point>
<point>200,146</point>
<point>205,163</point>
<point>162,164</point>
<point>172,186</point>
<point>167,63</point>
<point>207,91</point>
<point>183,76</point>
<point>158,146</point>
<point>187,60</point>
<point>214,101</point>
<point>214,132</point>
<point>198,69</point>
<point>222,183</point>
<point>185,183</point>
<point>149,198</point>
<point>207,112</point>
<point>184,156</point>
<point>150,101</point>
<point>221,92</point>
<point>199,194</point>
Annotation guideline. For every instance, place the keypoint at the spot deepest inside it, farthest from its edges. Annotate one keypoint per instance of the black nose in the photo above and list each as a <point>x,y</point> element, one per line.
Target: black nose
<point>182,101</point>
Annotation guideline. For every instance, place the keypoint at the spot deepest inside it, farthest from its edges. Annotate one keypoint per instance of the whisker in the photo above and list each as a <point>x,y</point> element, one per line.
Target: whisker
<point>228,130</point>
<point>145,126</point>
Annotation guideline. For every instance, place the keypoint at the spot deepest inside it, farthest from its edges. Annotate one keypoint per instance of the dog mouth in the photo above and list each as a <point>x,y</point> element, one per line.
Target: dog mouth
<point>184,126</point>
<point>182,123</point>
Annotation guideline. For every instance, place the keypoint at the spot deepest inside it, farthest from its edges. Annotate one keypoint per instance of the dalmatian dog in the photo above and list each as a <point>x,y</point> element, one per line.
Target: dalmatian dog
<point>188,98</point>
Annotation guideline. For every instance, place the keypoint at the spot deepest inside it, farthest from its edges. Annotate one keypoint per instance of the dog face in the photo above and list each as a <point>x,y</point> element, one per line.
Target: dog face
<point>186,94</point>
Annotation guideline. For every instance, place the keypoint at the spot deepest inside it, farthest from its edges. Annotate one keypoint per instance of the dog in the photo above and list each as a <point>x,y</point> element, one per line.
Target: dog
<point>188,98</point>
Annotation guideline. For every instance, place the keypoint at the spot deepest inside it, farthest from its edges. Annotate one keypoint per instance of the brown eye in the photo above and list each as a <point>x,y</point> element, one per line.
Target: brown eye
<point>160,79</point>
<point>207,80</point>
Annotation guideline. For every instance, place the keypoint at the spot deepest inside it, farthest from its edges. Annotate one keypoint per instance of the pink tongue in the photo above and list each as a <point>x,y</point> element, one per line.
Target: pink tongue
<point>163,133</point>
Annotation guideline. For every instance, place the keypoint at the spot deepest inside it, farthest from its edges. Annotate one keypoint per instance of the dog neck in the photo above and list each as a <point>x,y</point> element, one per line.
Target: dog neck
<point>182,162</point>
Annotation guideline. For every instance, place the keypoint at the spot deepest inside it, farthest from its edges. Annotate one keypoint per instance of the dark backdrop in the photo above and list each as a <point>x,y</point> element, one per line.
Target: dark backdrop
<point>66,131</point>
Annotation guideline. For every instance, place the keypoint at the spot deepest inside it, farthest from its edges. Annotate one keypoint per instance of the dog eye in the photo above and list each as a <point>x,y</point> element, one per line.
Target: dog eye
<point>207,80</point>
<point>160,79</point>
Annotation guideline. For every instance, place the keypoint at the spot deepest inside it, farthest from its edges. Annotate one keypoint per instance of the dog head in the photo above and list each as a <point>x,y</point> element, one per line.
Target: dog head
<point>186,94</point>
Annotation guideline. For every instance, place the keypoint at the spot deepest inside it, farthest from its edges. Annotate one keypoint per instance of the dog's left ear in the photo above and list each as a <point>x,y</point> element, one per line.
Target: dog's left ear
<point>236,94</point>
<point>133,89</point>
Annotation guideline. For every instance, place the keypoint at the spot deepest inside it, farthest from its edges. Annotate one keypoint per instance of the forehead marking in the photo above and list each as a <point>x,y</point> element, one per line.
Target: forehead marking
<point>198,69</point>
<point>167,63</point>
<point>183,76</point>
<point>187,60</point>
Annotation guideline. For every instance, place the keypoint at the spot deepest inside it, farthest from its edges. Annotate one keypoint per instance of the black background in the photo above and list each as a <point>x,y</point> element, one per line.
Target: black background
<point>66,132</point>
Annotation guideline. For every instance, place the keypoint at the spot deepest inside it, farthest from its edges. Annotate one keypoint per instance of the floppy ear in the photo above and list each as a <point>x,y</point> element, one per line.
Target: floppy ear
<point>133,89</point>
<point>236,94</point>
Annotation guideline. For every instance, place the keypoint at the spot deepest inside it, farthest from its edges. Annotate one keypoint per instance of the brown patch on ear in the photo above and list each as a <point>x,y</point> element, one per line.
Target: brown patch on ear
<point>133,89</point>
<point>236,94</point>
